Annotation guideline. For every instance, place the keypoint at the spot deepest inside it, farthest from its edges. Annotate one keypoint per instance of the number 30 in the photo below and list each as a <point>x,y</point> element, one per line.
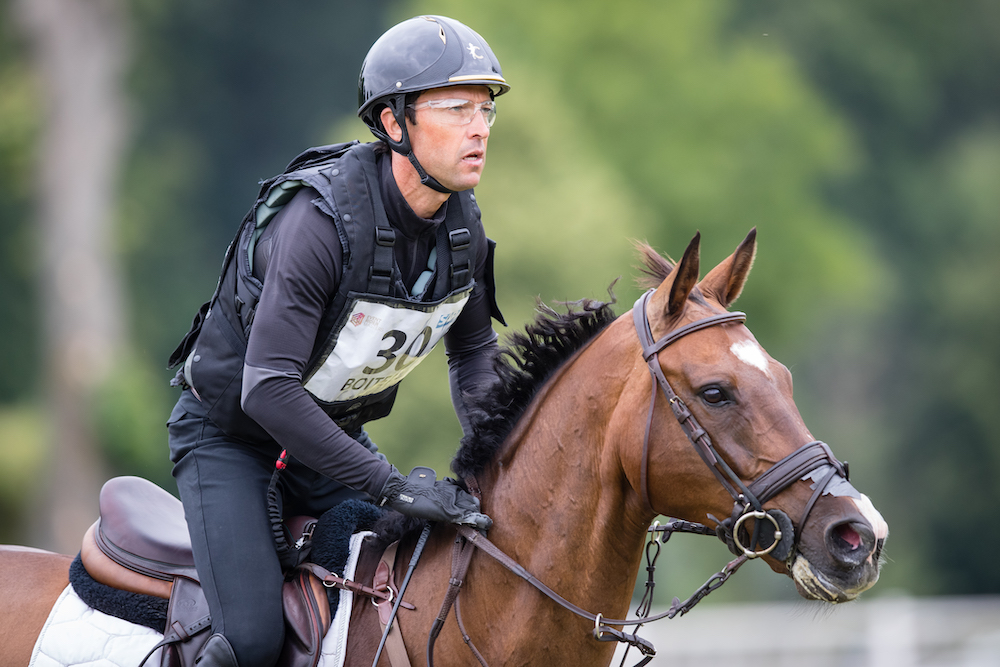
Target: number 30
<point>398,341</point>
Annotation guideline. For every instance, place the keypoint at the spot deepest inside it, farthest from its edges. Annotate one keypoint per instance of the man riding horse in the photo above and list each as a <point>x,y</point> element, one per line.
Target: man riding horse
<point>350,266</point>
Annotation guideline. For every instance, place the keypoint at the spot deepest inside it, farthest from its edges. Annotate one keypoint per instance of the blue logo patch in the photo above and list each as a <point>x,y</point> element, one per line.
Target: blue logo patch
<point>445,320</point>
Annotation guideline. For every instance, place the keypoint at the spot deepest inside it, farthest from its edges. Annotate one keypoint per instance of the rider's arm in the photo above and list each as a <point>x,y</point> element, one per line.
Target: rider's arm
<point>471,345</point>
<point>302,274</point>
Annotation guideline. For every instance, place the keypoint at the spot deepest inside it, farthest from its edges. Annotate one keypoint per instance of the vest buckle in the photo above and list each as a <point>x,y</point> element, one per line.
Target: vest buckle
<point>460,239</point>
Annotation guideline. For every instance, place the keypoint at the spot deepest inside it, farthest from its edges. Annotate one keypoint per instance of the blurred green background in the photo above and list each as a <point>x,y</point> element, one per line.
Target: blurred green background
<point>861,138</point>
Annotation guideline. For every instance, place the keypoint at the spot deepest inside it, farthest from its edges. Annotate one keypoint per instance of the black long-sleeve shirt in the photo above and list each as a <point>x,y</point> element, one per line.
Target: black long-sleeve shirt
<point>303,257</point>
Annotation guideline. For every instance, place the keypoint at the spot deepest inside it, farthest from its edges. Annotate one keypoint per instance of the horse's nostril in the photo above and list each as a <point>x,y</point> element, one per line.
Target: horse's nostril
<point>846,534</point>
<point>850,542</point>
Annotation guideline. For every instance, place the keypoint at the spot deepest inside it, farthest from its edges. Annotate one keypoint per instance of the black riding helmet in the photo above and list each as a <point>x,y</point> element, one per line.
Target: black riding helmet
<point>420,54</point>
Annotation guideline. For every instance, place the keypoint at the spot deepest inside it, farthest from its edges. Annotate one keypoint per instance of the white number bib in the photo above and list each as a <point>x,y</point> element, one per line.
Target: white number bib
<point>378,343</point>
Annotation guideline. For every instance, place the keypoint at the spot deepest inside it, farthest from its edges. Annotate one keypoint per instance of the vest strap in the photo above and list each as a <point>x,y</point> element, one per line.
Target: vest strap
<point>460,241</point>
<point>380,273</point>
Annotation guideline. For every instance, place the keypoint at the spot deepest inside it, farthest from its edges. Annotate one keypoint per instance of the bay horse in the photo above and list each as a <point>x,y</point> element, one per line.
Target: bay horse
<point>575,453</point>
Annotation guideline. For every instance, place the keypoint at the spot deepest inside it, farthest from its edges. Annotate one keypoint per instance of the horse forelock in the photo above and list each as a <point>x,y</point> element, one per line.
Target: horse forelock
<point>524,364</point>
<point>655,267</point>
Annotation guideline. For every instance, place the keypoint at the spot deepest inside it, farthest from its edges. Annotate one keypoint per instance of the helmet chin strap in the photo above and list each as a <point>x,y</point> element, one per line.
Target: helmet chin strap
<point>404,148</point>
<point>426,178</point>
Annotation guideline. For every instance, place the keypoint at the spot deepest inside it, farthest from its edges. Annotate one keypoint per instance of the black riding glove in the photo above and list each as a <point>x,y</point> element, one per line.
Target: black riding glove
<point>421,495</point>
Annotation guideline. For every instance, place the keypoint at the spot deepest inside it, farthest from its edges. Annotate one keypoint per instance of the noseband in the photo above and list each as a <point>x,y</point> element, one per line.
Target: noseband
<point>748,500</point>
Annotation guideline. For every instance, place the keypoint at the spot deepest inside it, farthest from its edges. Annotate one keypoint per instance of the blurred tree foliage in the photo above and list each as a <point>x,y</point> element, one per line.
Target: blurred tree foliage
<point>226,93</point>
<point>19,312</point>
<point>918,83</point>
<point>860,138</point>
<point>705,129</point>
<point>21,424</point>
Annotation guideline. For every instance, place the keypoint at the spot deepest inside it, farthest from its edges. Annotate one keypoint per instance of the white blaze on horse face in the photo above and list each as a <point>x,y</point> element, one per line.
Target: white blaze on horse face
<point>873,516</point>
<point>749,352</point>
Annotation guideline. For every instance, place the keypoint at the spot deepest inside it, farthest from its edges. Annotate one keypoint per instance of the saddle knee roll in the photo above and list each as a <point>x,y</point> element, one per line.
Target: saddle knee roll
<point>111,573</point>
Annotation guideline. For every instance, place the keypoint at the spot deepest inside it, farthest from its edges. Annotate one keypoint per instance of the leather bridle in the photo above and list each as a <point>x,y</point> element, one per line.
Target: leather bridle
<point>748,500</point>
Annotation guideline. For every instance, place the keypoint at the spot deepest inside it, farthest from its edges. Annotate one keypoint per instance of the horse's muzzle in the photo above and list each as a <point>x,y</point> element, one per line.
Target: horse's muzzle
<point>850,566</point>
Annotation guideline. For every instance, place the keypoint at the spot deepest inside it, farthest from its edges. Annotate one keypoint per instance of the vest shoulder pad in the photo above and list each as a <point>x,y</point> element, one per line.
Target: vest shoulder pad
<point>318,155</point>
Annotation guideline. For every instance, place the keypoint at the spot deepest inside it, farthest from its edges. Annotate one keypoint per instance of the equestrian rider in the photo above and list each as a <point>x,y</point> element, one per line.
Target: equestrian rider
<point>348,269</point>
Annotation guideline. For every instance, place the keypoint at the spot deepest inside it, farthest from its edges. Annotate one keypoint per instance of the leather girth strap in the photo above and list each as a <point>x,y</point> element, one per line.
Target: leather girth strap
<point>385,580</point>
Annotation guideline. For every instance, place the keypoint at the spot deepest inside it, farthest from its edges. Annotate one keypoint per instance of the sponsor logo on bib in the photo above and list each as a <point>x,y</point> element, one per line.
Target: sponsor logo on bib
<point>360,319</point>
<point>445,320</point>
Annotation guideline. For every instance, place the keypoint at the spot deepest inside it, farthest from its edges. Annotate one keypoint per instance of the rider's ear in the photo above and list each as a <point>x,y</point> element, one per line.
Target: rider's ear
<point>725,282</point>
<point>390,124</point>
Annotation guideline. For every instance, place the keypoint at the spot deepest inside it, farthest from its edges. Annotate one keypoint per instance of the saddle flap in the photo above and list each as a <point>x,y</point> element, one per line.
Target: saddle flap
<point>143,528</point>
<point>307,619</point>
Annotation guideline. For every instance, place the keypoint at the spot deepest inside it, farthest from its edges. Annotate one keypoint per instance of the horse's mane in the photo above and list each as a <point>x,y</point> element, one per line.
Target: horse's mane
<point>523,365</point>
<point>529,359</point>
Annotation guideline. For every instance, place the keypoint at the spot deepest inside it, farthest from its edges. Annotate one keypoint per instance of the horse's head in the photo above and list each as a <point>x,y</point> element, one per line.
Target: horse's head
<point>744,447</point>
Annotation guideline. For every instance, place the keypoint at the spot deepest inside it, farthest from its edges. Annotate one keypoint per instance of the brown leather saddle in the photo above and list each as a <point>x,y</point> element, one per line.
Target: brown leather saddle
<point>140,544</point>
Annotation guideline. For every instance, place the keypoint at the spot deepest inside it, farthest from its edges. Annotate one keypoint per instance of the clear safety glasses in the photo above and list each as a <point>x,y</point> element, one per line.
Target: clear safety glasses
<point>459,112</point>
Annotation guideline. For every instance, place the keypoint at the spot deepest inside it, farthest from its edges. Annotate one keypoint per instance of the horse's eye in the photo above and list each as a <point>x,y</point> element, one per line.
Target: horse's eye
<point>714,396</point>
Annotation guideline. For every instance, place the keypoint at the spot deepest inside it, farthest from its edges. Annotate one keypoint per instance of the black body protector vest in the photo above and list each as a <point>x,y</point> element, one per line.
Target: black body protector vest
<point>373,332</point>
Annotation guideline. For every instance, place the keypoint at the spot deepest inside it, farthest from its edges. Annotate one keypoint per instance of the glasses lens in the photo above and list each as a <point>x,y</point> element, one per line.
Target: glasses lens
<point>460,112</point>
<point>489,113</point>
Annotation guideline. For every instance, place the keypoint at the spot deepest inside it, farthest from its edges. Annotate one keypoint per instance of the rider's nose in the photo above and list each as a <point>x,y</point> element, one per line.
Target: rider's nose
<point>850,542</point>
<point>479,127</point>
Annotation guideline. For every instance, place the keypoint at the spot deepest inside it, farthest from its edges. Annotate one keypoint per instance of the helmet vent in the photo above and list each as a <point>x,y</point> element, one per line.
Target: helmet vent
<point>444,38</point>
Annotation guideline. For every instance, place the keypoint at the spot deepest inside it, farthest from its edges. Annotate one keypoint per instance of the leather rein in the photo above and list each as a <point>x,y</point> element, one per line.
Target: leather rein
<point>748,503</point>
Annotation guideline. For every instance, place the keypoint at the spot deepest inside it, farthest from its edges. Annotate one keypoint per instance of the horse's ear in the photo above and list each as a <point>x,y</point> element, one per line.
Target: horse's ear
<point>682,280</point>
<point>725,282</point>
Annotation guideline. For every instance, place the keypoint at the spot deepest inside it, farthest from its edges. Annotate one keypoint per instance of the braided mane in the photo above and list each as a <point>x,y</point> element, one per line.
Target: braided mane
<point>523,365</point>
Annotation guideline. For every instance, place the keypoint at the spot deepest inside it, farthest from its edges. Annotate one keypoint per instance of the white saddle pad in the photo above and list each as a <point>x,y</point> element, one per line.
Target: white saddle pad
<point>76,635</point>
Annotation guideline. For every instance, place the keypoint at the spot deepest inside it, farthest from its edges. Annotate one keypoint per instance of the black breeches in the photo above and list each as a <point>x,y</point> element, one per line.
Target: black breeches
<point>223,486</point>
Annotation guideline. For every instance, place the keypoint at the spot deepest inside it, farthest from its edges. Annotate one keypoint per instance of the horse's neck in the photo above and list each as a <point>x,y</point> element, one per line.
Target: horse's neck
<point>562,484</point>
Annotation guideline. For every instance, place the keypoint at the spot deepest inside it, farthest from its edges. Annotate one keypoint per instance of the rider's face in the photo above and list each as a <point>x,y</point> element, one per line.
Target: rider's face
<point>453,154</point>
